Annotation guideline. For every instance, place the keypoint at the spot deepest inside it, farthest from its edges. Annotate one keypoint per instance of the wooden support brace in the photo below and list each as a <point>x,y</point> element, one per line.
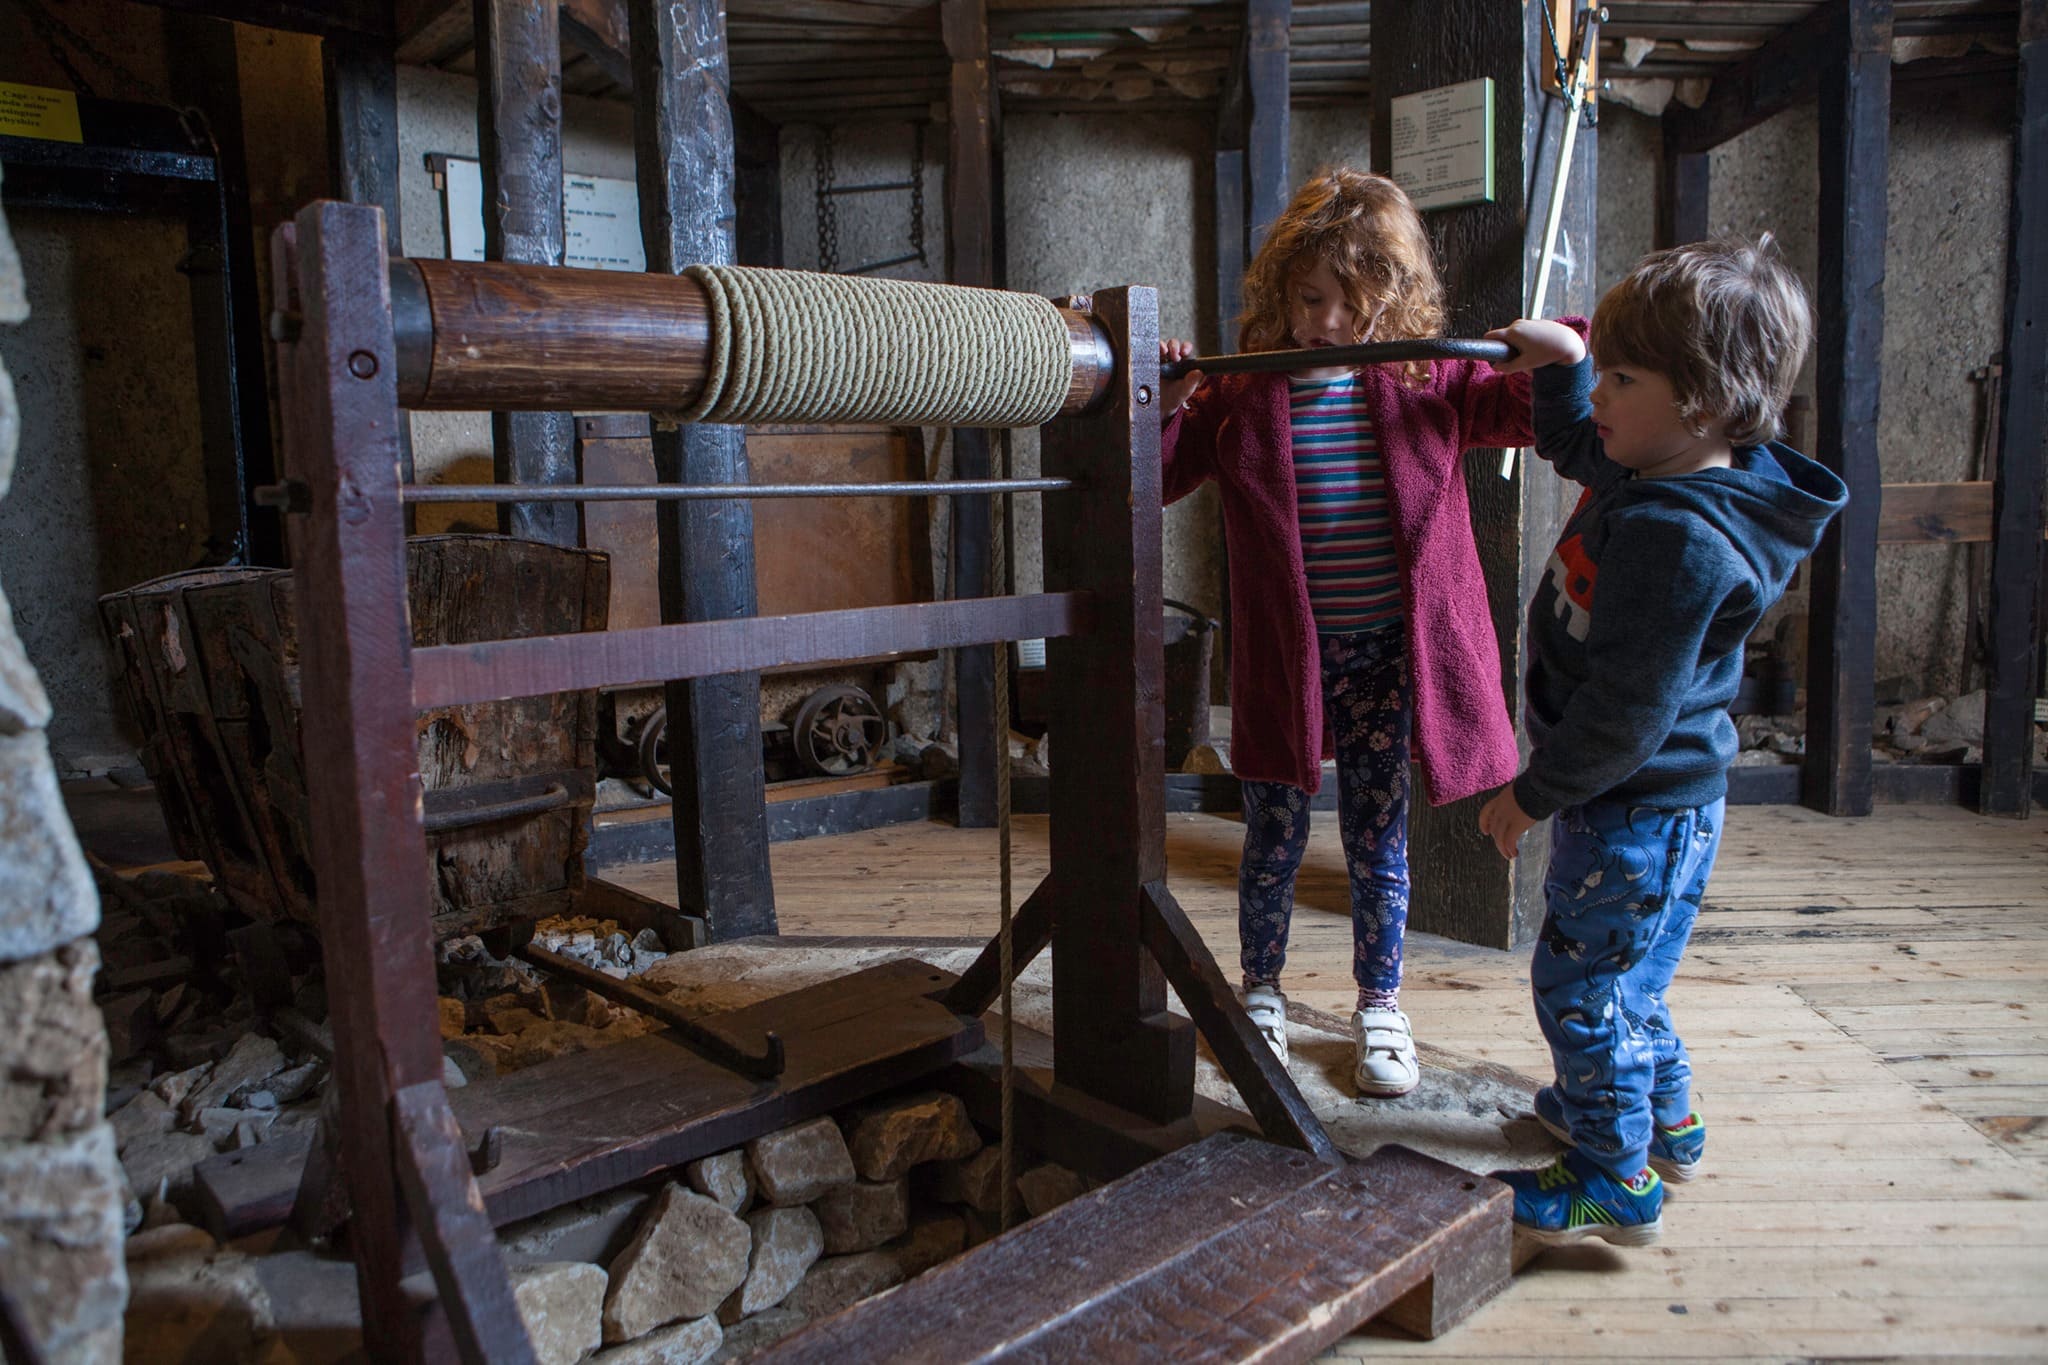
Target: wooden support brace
<point>461,1245</point>
<point>982,982</point>
<point>1261,1078</point>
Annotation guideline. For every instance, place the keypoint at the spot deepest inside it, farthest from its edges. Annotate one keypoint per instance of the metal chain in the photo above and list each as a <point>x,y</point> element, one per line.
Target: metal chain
<point>828,208</point>
<point>57,35</point>
<point>917,197</point>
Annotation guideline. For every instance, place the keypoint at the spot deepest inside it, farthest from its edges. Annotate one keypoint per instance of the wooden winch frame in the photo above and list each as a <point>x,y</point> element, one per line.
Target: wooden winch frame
<point>359,337</point>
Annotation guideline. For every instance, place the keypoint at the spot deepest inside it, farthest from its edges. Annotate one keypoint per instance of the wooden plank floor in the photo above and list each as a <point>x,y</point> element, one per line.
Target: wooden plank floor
<point>1867,1006</point>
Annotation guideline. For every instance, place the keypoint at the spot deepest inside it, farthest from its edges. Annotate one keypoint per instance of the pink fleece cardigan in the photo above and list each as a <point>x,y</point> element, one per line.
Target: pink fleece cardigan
<point>1235,430</point>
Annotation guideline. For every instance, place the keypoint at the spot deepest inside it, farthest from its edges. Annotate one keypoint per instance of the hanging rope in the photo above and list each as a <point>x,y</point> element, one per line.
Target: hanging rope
<point>999,515</point>
<point>791,346</point>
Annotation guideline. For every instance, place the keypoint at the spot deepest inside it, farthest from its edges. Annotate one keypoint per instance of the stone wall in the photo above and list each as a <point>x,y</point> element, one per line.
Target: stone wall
<point>62,1195</point>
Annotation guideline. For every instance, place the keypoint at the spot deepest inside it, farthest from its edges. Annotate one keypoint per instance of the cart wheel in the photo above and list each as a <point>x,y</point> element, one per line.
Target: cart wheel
<point>653,753</point>
<point>838,731</point>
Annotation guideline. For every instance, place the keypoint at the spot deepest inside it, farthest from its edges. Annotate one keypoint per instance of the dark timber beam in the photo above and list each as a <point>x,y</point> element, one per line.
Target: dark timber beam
<point>757,186</point>
<point>971,259</point>
<point>364,18</point>
<point>597,29</point>
<point>683,145</point>
<point>1487,253</point>
<point>361,81</point>
<point>2021,480</point>
<point>1113,1038</point>
<point>1267,183</point>
<point>1772,79</point>
<point>220,268</point>
<point>1683,182</point>
<point>1229,197</point>
<point>1855,128</point>
<point>519,134</point>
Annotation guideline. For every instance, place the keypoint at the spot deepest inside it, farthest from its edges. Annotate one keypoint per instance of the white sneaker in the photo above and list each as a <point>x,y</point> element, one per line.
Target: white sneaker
<point>1267,1009</point>
<point>1386,1053</point>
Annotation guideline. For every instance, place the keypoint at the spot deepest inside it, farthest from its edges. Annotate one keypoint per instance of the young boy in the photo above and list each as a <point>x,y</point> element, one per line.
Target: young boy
<point>1692,520</point>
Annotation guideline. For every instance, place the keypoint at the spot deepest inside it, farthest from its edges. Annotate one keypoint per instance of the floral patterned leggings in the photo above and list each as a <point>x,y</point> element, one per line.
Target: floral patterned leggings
<point>1366,694</point>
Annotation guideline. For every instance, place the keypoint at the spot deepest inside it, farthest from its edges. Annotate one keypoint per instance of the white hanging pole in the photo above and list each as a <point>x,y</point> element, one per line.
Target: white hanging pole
<point>1585,42</point>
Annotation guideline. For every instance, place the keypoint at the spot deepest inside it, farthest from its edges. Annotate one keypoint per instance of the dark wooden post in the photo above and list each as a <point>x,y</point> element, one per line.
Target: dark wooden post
<point>1228,198</point>
<point>757,187</point>
<point>220,266</point>
<point>971,260</point>
<point>1487,254</point>
<point>339,388</point>
<point>682,131</point>
<point>1267,182</point>
<point>1683,181</point>
<point>362,144</point>
<point>1112,1036</point>
<point>519,136</point>
<point>1855,127</point>
<point>2022,477</point>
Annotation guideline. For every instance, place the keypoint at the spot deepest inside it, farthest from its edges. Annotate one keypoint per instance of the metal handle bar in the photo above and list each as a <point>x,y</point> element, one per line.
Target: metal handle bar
<point>1323,357</point>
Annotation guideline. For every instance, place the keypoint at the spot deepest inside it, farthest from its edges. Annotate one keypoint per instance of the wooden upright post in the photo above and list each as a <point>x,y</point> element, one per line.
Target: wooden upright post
<point>1855,128</point>
<point>1488,255</point>
<point>361,78</point>
<point>519,133</point>
<point>971,260</point>
<point>2022,478</point>
<point>1112,1036</point>
<point>339,388</point>
<point>682,131</point>
<point>1683,180</point>
<point>227,323</point>
<point>1268,184</point>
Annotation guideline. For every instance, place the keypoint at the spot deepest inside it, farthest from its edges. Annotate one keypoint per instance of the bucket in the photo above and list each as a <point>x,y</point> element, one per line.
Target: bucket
<point>1190,645</point>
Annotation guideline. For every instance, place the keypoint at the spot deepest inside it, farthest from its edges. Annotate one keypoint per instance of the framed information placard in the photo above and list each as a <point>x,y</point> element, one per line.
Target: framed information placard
<point>601,216</point>
<point>1443,144</point>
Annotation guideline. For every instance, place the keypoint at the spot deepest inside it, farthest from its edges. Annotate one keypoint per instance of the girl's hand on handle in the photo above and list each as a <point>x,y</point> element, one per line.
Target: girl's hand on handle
<point>1538,343</point>
<point>1174,392</point>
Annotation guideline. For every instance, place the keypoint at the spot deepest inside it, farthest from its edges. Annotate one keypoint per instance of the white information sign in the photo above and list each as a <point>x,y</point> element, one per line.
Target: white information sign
<point>601,218</point>
<point>1443,144</point>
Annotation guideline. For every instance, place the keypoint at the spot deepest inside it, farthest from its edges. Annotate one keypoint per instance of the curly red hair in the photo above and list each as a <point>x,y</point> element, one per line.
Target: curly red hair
<point>1369,232</point>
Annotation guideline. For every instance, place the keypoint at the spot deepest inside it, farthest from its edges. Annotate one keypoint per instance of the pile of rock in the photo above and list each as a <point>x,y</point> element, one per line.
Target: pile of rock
<point>754,1243</point>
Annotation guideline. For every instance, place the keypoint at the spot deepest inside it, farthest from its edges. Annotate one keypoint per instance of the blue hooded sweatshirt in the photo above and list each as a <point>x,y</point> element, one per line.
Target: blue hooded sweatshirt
<point>1637,629</point>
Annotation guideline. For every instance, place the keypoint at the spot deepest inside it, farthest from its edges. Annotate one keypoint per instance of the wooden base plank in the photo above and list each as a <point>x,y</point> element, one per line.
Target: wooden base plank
<point>593,1121</point>
<point>1227,1250</point>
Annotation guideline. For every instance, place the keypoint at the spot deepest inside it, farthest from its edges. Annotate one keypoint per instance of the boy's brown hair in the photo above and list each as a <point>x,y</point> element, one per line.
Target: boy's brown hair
<point>1373,239</point>
<point>1726,321</point>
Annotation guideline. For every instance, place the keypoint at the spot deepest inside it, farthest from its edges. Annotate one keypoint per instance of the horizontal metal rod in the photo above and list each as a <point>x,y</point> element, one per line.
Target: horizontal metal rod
<point>871,187</point>
<point>695,492</point>
<point>882,265</point>
<point>1327,357</point>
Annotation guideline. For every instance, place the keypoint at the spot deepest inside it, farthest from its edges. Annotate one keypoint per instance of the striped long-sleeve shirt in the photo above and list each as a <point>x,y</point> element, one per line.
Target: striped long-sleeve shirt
<point>1347,535</point>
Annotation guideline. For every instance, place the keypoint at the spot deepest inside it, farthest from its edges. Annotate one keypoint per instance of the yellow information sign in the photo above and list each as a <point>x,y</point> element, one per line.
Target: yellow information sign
<point>39,111</point>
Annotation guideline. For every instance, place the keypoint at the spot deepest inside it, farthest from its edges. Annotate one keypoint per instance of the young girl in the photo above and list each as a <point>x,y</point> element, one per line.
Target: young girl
<point>1358,606</point>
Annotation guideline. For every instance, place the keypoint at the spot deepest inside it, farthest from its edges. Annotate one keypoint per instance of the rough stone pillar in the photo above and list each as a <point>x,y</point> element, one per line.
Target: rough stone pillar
<point>62,1192</point>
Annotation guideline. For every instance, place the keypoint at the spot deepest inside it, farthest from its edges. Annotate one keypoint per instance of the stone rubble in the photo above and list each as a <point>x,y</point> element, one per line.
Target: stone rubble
<point>561,1303</point>
<point>887,1140</point>
<point>787,1242</point>
<point>798,1164</point>
<point>688,1255</point>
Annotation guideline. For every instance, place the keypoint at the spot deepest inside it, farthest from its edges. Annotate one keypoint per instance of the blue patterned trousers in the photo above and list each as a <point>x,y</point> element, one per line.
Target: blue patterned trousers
<point>1366,693</point>
<point>1623,890</point>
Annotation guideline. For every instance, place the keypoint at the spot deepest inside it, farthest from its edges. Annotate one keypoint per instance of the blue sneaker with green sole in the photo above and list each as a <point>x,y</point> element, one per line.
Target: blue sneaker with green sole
<point>1676,1154</point>
<point>1571,1200</point>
